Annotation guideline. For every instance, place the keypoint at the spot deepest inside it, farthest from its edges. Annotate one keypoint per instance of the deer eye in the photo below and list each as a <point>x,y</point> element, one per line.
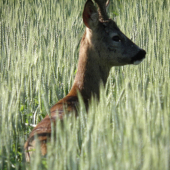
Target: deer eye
<point>116,38</point>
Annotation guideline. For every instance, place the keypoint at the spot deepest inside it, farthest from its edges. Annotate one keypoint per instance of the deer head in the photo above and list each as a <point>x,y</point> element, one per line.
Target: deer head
<point>113,47</point>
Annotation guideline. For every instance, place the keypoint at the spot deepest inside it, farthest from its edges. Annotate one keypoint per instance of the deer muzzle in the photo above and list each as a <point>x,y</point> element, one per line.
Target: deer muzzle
<point>138,57</point>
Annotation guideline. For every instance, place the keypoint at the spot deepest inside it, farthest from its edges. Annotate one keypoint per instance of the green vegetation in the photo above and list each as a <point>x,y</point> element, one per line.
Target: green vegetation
<point>129,129</point>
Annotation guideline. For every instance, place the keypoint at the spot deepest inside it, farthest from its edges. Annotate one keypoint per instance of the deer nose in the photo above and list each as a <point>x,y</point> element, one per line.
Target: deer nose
<point>142,53</point>
<point>138,57</point>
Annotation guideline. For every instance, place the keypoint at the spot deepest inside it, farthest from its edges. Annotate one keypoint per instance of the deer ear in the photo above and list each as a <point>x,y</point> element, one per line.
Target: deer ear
<point>90,15</point>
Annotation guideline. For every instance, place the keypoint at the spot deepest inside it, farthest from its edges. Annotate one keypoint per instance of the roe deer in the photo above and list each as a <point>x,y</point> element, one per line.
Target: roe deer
<point>103,45</point>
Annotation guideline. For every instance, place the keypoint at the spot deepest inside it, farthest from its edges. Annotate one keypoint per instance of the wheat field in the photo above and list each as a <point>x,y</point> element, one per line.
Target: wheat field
<point>129,129</point>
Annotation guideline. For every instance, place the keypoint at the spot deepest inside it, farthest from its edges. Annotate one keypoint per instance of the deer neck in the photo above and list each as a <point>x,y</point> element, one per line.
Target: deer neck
<point>91,71</point>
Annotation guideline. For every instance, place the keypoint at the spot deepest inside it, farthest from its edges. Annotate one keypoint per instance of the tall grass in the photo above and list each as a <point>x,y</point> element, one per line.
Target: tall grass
<point>128,129</point>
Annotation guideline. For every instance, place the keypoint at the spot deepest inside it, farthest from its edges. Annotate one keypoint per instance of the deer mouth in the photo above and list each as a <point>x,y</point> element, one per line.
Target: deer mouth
<point>137,59</point>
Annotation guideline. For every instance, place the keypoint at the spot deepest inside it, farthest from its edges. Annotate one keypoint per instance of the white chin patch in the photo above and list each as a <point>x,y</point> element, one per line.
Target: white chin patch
<point>137,62</point>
